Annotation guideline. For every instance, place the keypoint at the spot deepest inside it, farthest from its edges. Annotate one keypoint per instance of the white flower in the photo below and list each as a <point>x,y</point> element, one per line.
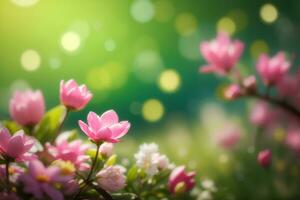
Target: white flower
<point>112,178</point>
<point>205,195</point>
<point>146,158</point>
<point>163,162</point>
<point>208,184</point>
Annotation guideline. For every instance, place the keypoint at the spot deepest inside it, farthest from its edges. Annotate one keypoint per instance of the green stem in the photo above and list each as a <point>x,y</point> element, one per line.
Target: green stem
<point>87,180</point>
<point>62,123</point>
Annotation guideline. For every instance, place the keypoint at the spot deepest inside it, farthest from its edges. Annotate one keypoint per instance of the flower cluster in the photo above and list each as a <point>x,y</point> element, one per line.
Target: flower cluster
<point>277,107</point>
<point>40,161</point>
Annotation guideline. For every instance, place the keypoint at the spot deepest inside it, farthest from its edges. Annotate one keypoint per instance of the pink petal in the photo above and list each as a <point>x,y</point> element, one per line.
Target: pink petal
<point>52,192</point>
<point>36,168</point>
<point>94,121</point>
<point>4,138</point>
<point>120,129</point>
<point>109,118</point>
<point>84,127</point>
<point>15,146</point>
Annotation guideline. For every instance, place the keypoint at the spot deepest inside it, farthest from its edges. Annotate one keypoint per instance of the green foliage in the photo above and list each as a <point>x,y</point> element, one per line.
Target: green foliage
<point>11,126</point>
<point>50,125</point>
<point>111,160</point>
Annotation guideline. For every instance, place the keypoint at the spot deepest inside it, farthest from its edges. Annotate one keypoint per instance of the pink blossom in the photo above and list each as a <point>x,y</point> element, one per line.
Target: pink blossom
<point>179,175</point>
<point>249,83</point>
<point>273,69</point>
<point>293,141</point>
<point>288,86</point>
<point>261,114</point>
<point>70,151</point>
<point>73,96</point>
<point>104,128</point>
<point>28,107</point>
<point>112,178</point>
<point>14,173</point>
<point>17,146</point>
<point>228,138</point>
<point>106,149</point>
<point>222,54</point>
<point>41,181</point>
<point>233,92</point>
<point>264,158</point>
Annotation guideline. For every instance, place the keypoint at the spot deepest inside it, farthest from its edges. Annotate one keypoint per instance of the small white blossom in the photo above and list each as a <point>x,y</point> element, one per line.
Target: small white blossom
<point>205,195</point>
<point>208,184</point>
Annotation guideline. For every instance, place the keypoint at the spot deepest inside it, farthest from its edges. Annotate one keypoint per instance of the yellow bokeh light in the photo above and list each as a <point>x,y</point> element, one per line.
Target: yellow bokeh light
<point>268,13</point>
<point>169,81</point>
<point>186,24</point>
<point>24,3</point>
<point>258,47</point>
<point>226,24</point>
<point>70,41</point>
<point>110,76</point>
<point>164,10</point>
<point>30,60</point>
<point>152,110</point>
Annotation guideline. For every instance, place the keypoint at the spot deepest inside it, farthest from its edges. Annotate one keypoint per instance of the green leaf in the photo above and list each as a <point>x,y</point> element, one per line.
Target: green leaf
<point>11,126</point>
<point>125,196</point>
<point>47,129</point>
<point>132,174</point>
<point>111,160</point>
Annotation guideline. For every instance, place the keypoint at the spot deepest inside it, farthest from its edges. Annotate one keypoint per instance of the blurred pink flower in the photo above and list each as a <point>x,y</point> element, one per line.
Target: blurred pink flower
<point>104,128</point>
<point>73,96</point>
<point>179,175</point>
<point>17,146</point>
<point>70,151</point>
<point>112,178</point>
<point>106,149</point>
<point>41,181</point>
<point>14,173</point>
<point>261,115</point>
<point>249,83</point>
<point>264,158</point>
<point>273,69</point>
<point>228,138</point>
<point>293,141</point>
<point>233,92</point>
<point>28,107</point>
<point>288,86</point>
<point>222,54</point>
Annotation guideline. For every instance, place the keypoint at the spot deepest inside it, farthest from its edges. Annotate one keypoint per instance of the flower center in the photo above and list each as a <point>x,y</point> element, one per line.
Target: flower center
<point>42,178</point>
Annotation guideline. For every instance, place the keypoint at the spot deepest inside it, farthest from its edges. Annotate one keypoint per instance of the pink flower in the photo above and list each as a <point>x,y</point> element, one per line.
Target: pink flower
<point>104,128</point>
<point>272,70</point>
<point>70,151</point>
<point>180,176</point>
<point>261,115</point>
<point>233,92</point>
<point>228,138</point>
<point>17,146</point>
<point>222,54</point>
<point>288,86</point>
<point>249,83</point>
<point>28,107</point>
<point>14,173</point>
<point>293,141</point>
<point>73,96</point>
<point>106,149</point>
<point>41,181</point>
<point>112,178</point>
<point>264,158</point>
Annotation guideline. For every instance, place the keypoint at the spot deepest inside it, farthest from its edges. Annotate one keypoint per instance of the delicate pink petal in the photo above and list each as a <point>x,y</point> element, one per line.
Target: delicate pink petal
<point>52,192</point>
<point>4,138</point>
<point>94,121</point>
<point>109,118</point>
<point>84,127</point>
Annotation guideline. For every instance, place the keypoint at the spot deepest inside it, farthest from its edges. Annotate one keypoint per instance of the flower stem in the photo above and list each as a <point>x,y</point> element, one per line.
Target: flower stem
<point>87,180</point>
<point>288,107</point>
<point>7,175</point>
<point>62,123</point>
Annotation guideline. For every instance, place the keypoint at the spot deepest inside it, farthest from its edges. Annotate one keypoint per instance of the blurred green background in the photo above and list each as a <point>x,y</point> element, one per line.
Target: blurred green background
<point>141,58</point>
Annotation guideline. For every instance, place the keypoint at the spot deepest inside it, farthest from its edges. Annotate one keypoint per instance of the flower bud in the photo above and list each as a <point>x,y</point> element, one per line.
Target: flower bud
<point>264,158</point>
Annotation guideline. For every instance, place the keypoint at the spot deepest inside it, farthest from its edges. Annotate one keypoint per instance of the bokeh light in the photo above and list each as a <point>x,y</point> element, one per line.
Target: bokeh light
<point>70,41</point>
<point>186,24</point>
<point>169,81</point>
<point>226,24</point>
<point>110,45</point>
<point>54,63</point>
<point>30,60</point>
<point>268,13</point>
<point>142,11</point>
<point>25,3</point>
<point>164,10</point>
<point>258,47</point>
<point>152,110</point>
